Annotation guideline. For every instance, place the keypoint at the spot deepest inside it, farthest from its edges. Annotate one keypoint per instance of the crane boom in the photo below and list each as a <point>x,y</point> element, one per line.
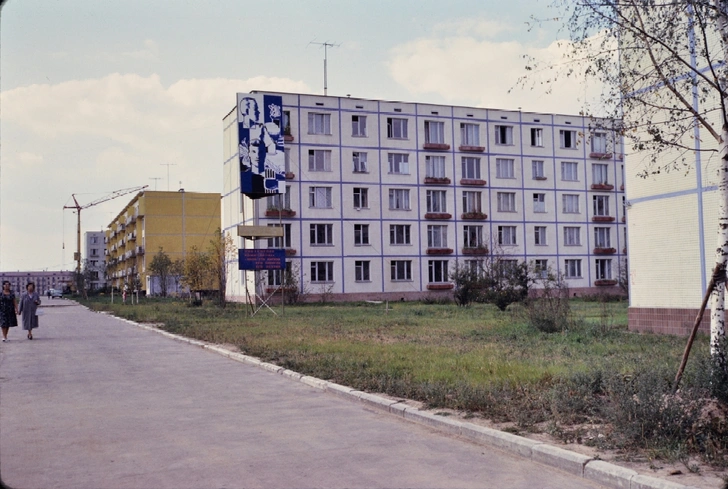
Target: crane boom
<point>78,207</point>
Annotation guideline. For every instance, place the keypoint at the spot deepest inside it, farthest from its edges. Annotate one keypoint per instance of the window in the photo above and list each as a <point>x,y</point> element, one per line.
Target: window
<point>358,125</point>
<point>539,202</point>
<point>537,169</point>
<point>471,167</point>
<point>602,238</point>
<point>287,159</point>
<point>470,134</point>
<point>287,122</point>
<point>94,252</point>
<point>472,236</point>
<point>541,268</point>
<point>436,201</point>
<point>280,201</point>
<point>322,234</point>
<point>475,266</point>
<point>506,201</point>
<point>567,139</point>
<point>572,236</point>
<point>571,203</point>
<point>361,271</point>
<point>275,277</point>
<point>504,168</point>
<point>471,201</point>
<point>599,174</point>
<point>399,234</point>
<point>319,160</point>
<point>437,236</point>
<point>604,269</point>
<point>396,128</point>
<point>360,162</point>
<point>599,142</point>
<point>319,197</point>
<point>539,233</point>
<point>361,234</point>
<point>507,235</point>
<point>569,171</point>
<point>281,242</point>
<point>601,205</point>
<point>94,239</point>
<point>361,198</point>
<point>398,163</point>
<point>537,137</point>
<point>322,271</point>
<point>437,271</point>
<point>504,135</point>
<point>434,132</point>
<point>572,268</point>
<point>399,199</point>
<point>319,123</point>
<point>401,270</point>
<point>435,166</point>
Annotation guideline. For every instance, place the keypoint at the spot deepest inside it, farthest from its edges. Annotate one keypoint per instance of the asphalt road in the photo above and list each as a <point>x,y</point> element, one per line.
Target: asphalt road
<point>94,402</point>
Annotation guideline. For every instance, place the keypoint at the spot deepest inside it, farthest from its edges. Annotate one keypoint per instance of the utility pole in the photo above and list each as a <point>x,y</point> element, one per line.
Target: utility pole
<point>326,45</point>
<point>168,165</point>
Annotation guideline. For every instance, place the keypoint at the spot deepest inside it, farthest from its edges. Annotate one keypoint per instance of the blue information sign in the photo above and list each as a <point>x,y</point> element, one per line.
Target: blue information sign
<point>261,259</point>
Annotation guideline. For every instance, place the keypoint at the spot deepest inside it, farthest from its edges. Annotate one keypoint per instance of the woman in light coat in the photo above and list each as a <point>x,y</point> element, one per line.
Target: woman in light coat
<point>28,309</point>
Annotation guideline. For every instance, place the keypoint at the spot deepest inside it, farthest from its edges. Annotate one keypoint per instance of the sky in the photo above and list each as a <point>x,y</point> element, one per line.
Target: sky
<point>97,96</point>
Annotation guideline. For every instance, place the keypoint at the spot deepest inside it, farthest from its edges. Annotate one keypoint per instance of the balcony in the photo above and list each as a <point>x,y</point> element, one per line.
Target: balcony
<point>438,215</point>
<point>290,175</point>
<point>140,250</point>
<point>478,250</point>
<point>284,213</point>
<point>439,251</point>
<point>605,282</point>
<point>437,181</point>
<point>291,252</point>
<point>471,149</point>
<point>436,146</point>
<point>473,182</point>
<point>287,136</point>
<point>602,186</point>
<point>474,216</point>
<point>600,156</point>
<point>444,286</point>
<point>604,251</point>
<point>602,219</point>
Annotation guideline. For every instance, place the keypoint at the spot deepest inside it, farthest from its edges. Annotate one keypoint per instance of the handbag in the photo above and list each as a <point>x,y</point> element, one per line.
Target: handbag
<point>39,312</point>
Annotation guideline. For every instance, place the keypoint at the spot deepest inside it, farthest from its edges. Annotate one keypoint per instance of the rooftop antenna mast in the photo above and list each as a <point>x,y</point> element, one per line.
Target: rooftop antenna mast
<point>326,45</point>
<point>155,181</point>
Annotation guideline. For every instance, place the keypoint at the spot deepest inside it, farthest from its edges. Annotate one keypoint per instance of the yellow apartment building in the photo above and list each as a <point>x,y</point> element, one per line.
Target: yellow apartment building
<point>172,221</point>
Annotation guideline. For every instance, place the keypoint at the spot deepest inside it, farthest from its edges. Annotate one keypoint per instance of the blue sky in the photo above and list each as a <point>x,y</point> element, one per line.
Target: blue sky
<point>96,95</point>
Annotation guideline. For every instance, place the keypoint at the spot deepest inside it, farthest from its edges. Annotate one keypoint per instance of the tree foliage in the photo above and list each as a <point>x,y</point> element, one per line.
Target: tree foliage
<point>497,280</point>
<point>222,251</point>
<point>161,266</point>
<point>198,270</point>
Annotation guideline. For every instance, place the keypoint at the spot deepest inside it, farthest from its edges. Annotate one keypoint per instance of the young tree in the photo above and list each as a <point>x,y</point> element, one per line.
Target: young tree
<point>222,253</point>
<point>161,266</point>
<point>198,269</point>
<point>656,58</point>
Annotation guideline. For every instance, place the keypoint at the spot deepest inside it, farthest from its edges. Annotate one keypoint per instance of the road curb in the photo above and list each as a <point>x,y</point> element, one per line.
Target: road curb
<point>604,473</point>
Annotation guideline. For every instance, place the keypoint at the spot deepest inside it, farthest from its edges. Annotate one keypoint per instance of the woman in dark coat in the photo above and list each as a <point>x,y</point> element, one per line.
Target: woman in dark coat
<point>8,310</point>
<point>28,307</point>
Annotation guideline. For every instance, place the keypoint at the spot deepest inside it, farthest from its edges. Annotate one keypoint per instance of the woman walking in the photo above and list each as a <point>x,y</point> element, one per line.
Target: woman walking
<point>28,308</point>
<point>8,310</point>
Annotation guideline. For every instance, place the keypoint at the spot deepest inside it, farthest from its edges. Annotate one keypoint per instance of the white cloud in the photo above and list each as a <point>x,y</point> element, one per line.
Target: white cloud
<point>93,136</point>
<point>463,69</point>
<point>149,52</point>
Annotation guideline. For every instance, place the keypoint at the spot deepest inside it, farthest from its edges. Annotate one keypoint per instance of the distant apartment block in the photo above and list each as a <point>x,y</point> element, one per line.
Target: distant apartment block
<point>384,198</point>
<point>95,259</point>
<point>174,222</point>
<point>43,280</point>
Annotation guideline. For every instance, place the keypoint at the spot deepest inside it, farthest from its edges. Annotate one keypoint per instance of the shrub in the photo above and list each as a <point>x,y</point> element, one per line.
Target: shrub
<point>549,312</point>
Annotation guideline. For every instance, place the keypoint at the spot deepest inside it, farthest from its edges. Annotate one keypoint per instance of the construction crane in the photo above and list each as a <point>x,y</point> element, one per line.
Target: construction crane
<point>78,207</point>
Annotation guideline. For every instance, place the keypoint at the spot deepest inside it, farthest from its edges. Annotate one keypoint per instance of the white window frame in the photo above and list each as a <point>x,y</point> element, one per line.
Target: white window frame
<point>507,235</point>
<point>471,167</point>
<point>601,205</point>
<point>361,271</point>
<point>602,237</point>
<point>539,203</point>
<point>399,199</point>
<point>472,236</point>
<point>572,268</point>
<point>506,201</point>
<point>436,200</point>
<point>472,201</point>
<point>434,132</point>
<point>537,137</point>
<point>280,241</point>
<point>397,128</point>
<point>600,174</point>
<point>398,163</point>
<point>359,159</point>
<point>325,268</point>
<point>319,197</point>
<point>360,197</point>
<point>539,236</point>
<point>469,134</point>
<point>436,236</point>
<point>361,234</point>
<point>319,123</point>
<point>400,270</point>
<point>505,168</point>
<point>434,166</point>
<point>358,126</point>
<point>570,204</point>
<point>541,267</point>
<point>400,232</point>
<point>569,171</point>
<point>599,142</point>
<point>319,160</point>
<point>504,135</point>
<point>567,139</point>
<point>603,268</point>
<point>321,234</point>
<point>572,236</point>
<point>537,170</point>
<point>437,271</point>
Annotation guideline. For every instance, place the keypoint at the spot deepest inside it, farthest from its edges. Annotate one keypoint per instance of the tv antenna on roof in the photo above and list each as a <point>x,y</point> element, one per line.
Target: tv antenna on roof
<point>326,45</point>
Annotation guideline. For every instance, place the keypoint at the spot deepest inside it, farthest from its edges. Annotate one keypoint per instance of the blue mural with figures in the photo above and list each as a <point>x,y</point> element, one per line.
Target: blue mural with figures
<point>262,154</point>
